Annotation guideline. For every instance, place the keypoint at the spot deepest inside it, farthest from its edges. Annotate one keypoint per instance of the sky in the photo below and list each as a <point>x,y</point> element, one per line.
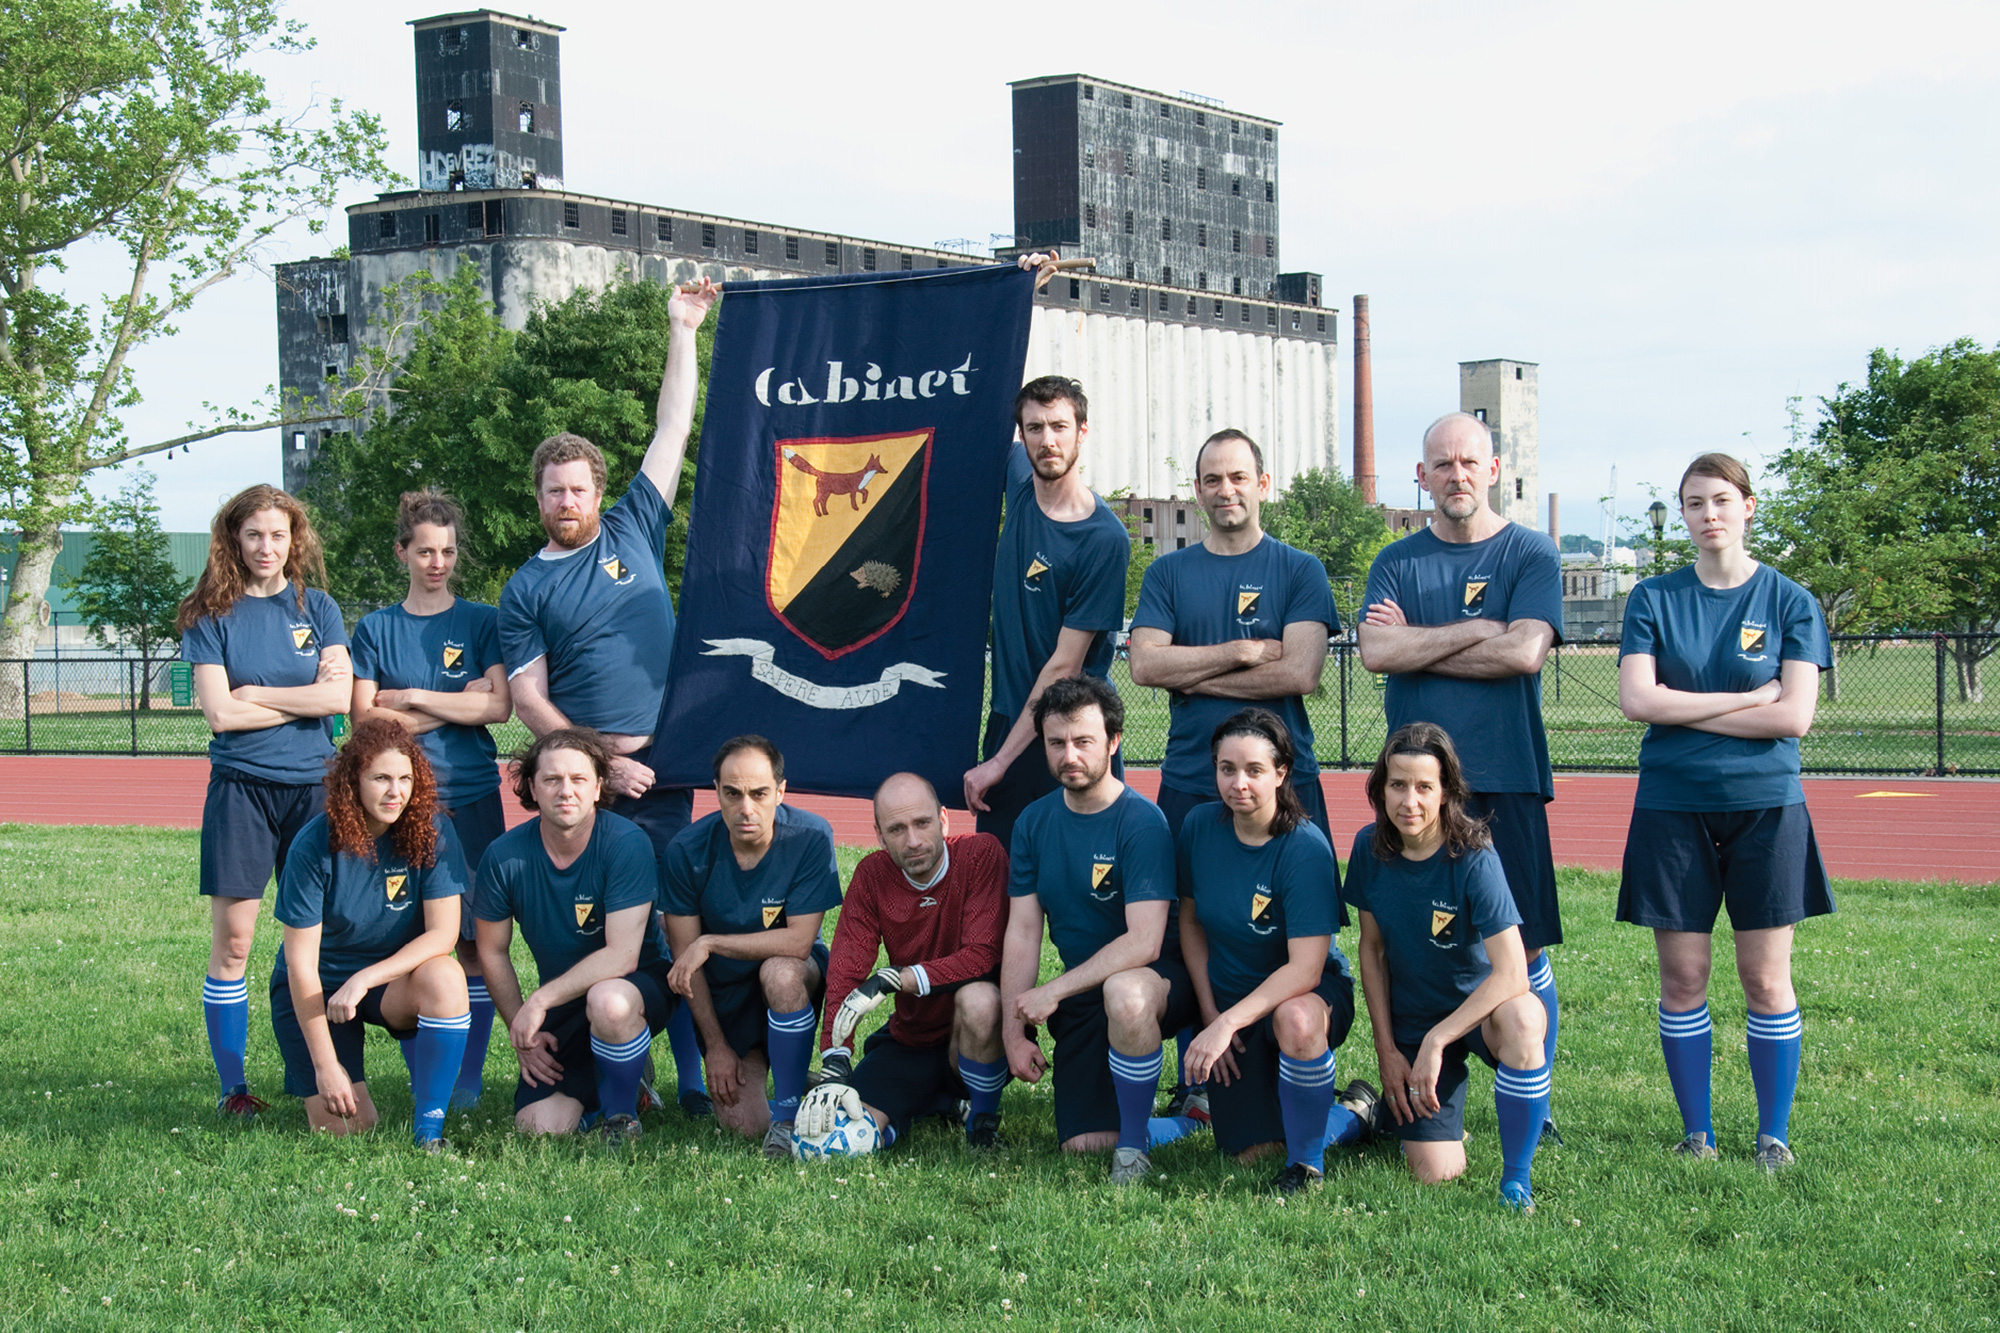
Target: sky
<point>1686,214</point>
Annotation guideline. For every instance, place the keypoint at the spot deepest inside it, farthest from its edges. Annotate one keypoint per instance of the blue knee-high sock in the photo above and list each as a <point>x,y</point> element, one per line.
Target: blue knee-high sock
<point>1164,1129</point>
<point>789,1042</point>
<point>1687,1040</point>
<point>619,1064</point>
<point>1521,1099</point>
<point>1182,1040</point>
<point>687,1051</point>
<point>1775,1042</point>
<point>1136,1080</point>
<point>225,1011</point>
<point>472,1070</point>
<point>435,1054</point>
<point>1305,1094</point>
<point>1542,981</point>
<point>983,1080</point>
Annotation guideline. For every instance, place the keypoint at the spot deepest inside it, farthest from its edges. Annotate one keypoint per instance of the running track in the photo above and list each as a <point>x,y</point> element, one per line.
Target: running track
<point>1868,828</point>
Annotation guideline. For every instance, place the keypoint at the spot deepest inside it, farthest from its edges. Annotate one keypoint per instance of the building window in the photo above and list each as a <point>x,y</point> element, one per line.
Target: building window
<point>1076,289</point>
<point>708,235</point>
<point>833,253</point>
<point>572,215</point>
<point>1180,518</point>
<point>1167,276</point>
<point>1235,241</point>
<point>1132,297</point>
<point>386,226</point>
<point>1295,322</point>
<point>524,39</point>
<point>1180,543</point>
<point>617,222</point>
<point>1201,118</point>
<point>943,263</point>
<point>495,218</point>
<point>1269,134</point>
<point>1201,281</point>
<point>1235,127</point>
<point>527,117</point>
<point>1089,93</point>
<point>1236,286</point>
<point>868,258</point>
<point>1270,247</point>
<point>1190,307</point>
<point>1201,234</point>
<point>1271,317</point>
<point>909,262</point>
<point>1129,273</point>
<point>1166,173</point>
<point>1090,156</point>
<point>1166,229</point>
<point>1517,488</point>
<point>431,229</point>
<point>1479,412</point>
<point>749,241</point>
<point>1090,215</point>
<point>1236,185</point>
<point>298,439</point>
<point>1146,514</point>
<point>1218,310</point>
<point>1163,303</point>
<point>1517,372</point>
<point>527,180</point>
<point>1165,110</point>
<point>1127,100</point>
<point>454,40</point>
<point>1103,294</point>
<point>1128,222</point>
<point>475,216</point>
<point>454,116</point>
<point>1244,318</point>
<point>1270,192</point>
<point>663,227</point>
<point>792,248</point>
<point>1322,322</point>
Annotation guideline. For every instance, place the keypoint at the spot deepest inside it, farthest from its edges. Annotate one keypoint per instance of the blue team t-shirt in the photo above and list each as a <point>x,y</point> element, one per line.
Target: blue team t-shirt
<point>561,913</point>
<point>1049,577</point>
<point>1086,868</point>
<point>366,910</point>
<point>601,616</point>
<point>443,652</point>
<point>1712,641</point>
<point>1252,900</point>
<point>1203,599</point>
<point>271,641</point>
<point>1495,725</point>
<point>797,873</point>
<point>1435,916</point>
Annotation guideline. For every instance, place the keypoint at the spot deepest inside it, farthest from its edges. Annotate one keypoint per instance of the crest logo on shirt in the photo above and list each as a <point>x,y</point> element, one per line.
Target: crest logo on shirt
<point>774,915</point>
<point>619,572</point>
<point>1750,640</point>
<point>588,920</point>
<point>1475,596</point>
<point>304,640</point>
<point>1031,578</point>
<point>1249,602</point>
<point>453,655</point>
<point>1441,919</point>
<point>1260,911</point>
<point>1100,871</point>
<point>396,885</point>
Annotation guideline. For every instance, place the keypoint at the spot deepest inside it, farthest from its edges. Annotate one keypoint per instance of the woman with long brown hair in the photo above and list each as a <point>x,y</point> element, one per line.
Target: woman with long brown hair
<point>270,666</point>
<point>1443,966</point>
<point>355,952</point>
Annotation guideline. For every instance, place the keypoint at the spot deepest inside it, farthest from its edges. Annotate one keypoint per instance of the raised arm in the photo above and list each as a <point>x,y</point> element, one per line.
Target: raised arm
<point>1296,672</point>
<point>1159,662</point>
<point>679,384</point>
<point>1642,698</point>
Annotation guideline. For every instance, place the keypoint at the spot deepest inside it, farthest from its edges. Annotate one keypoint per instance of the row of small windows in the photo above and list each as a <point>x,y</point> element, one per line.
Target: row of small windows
<point>458,120</point>
<point>1167,174</point>
<point>1269,243</point>
<point>454,40</point>
<point>1134,301</point>
<point>1166,109</point>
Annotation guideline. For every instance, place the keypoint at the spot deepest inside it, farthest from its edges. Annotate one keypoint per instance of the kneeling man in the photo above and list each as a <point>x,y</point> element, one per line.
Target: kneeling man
<point>581,882</point>
<point>935,904</point>
<point>1096,859</point>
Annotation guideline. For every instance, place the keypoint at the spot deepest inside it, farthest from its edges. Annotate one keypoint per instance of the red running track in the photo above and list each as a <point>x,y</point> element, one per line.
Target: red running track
<point>1868,828</point>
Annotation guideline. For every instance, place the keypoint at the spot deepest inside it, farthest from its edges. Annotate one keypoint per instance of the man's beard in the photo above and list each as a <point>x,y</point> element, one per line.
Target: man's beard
<point>1066,464</point>
<point>582,534</point>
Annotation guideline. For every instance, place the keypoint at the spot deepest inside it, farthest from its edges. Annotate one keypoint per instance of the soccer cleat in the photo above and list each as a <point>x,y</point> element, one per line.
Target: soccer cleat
<point>1129,1166</point>
<point>1362,1102</point>
<point>1772,1154</point>
<point>1187,1099</point>
<point>984,1132</point>
<point>1696,1146</point>
<point>619,1132</point>
<point>1516,1195</point>
<point>1549,1131</point>
<point>434,1147</point>
<point>695,1103</point>
<point>1297,1179</point>
<point>241,1104</point>
<point>778,1141</point>
<point>464,1098</point>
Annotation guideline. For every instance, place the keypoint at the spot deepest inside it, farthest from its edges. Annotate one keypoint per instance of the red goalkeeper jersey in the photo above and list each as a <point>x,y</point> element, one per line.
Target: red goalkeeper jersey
<point>948,934</point>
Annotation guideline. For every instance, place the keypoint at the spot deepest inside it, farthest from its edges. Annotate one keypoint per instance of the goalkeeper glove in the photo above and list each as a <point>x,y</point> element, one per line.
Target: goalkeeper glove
<point>861,1001</point>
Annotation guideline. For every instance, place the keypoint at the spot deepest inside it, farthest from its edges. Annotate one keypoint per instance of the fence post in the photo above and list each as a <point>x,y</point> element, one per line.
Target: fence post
<point>27,709</point>
<point>1938,639</point>
<point>1344,761</point>
<point>132,693</point>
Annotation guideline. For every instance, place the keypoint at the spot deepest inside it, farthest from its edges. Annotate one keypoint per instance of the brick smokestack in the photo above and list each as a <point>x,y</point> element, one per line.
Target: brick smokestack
<point>1364,405</point>
<point>1555,526</point>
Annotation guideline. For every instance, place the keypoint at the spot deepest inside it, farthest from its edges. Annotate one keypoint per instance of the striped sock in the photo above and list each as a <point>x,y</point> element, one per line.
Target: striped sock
<point>435,1053</point>
<point>788,1041</point>
<point>619,1064</point>
<point>472,1070</point>
<point>1305,1095</point>
<point>687,1051</point>
<point>1775,1043</point>
<point>1542,981</point>
<point>1521,1099</point>
<point>1136,1080</point>
<point>983,1081</point>
<point>225,1011</point>
<point>1687,1040</point>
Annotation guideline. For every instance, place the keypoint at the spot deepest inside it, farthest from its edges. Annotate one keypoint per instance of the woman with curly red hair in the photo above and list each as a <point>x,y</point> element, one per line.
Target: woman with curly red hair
<point>356,953</point>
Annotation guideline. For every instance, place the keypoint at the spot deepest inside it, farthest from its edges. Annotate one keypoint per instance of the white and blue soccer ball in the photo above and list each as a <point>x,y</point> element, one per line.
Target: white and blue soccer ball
<point>849,1137</point>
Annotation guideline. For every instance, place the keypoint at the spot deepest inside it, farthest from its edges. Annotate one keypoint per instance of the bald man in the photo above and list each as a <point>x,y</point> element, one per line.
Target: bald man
<point>937,905</point>
<point>1461,615</point>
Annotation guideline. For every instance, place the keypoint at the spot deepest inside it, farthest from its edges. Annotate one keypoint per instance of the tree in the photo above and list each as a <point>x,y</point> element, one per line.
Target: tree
<point>467,405</point>
<point>1323,514</point>
<point>128,590</point>
<point>142,127</point>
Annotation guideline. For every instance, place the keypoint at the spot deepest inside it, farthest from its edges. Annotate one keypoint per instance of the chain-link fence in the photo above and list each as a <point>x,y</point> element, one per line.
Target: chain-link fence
<point>1891,705</point>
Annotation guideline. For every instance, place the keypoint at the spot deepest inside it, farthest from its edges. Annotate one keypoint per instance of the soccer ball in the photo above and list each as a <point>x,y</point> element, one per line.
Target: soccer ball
<point>847,1138</point>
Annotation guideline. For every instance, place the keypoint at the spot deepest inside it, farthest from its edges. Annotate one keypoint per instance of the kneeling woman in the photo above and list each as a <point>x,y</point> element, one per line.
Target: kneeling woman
<point>1260,904</point>
<point>369,900</point>
<point>1442,965</point>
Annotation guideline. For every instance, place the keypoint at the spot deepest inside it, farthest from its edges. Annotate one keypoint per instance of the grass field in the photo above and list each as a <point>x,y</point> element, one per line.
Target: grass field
<point>130,1206</point>
<point>1884,722</point>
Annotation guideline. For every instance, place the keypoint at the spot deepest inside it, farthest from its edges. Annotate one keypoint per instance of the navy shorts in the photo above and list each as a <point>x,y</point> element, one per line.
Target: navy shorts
<point>1177,805</point>
<point>477,824</point>
<point>1086,1102</point>
<point>740,1007</point>
<point>1246,1112</point>
<point>569,1024</point>
<point>904,1082</point>
<point>1519,823</point>
<point>301,1079</point>
<point>1682,866</point>
<point>1447,1124</point>
<point>1026,779</point>
<point>247,827</point>
<point>660,814</point>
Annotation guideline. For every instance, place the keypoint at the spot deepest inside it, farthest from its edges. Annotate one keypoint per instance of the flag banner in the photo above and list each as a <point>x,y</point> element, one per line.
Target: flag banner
<point>846,509</point>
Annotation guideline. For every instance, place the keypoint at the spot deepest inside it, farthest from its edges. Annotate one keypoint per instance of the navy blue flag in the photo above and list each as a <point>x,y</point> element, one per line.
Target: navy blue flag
<point>846,510</point>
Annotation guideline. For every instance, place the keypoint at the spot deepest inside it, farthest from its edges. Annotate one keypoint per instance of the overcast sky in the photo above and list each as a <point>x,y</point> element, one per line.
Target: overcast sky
<point>1685,213</point>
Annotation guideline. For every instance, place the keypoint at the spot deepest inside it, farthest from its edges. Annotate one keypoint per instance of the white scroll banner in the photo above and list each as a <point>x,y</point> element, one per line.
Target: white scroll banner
<point>838,697</point>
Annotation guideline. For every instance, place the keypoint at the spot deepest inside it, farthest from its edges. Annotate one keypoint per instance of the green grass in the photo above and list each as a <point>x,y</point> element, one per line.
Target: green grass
<point>1884,722</point>
<point>129,1206</point>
